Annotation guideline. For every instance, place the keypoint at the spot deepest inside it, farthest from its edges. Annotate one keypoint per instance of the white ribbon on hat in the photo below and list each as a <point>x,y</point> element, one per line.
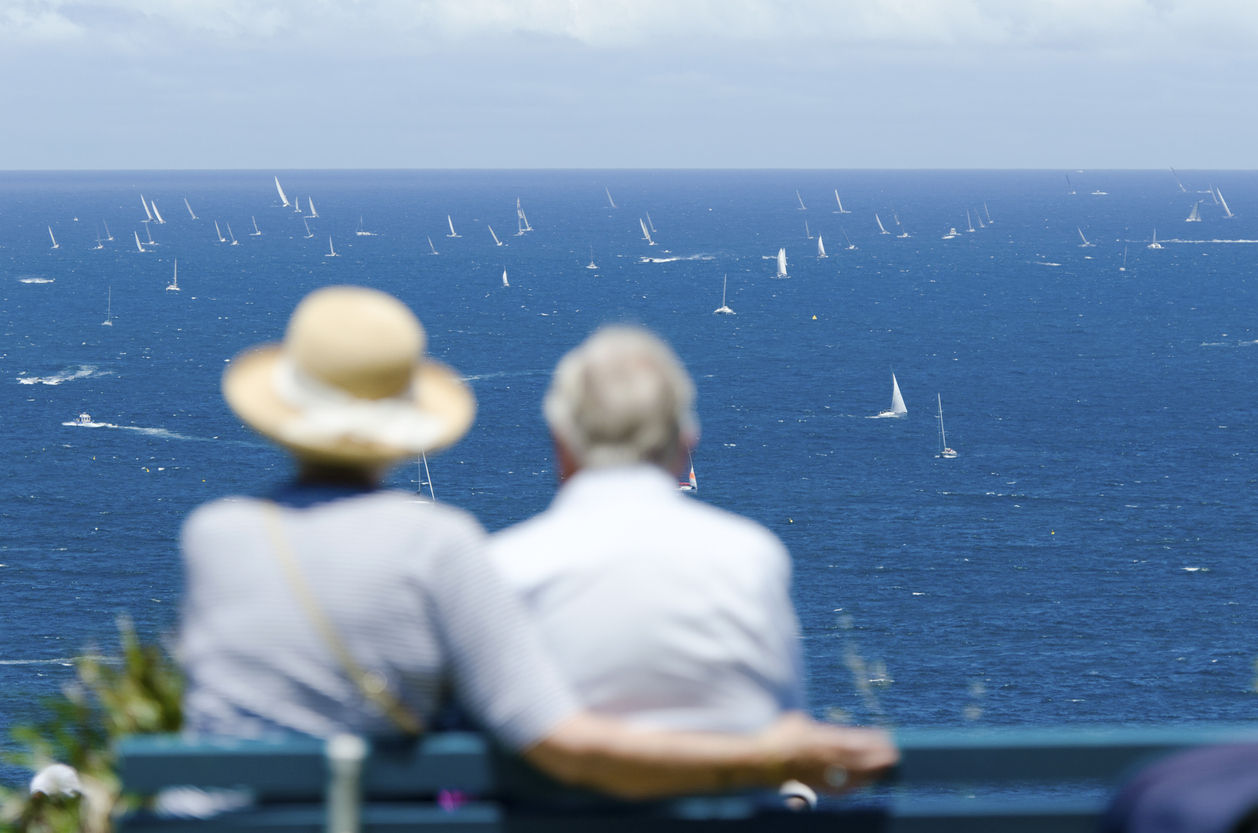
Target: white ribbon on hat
<point>327,413</point>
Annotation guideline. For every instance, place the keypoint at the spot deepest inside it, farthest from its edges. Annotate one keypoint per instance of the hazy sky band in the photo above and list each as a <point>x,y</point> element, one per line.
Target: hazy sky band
<point>647,83</point>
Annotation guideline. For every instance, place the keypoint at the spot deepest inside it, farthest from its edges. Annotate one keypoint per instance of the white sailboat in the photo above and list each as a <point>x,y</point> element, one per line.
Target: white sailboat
<point>148,215</point>
<point>522,217</point>
<point>802,207</point>
<point>361,231</point>
<point>851,247</point>
<point>431,247</point>
<point>173,286</point>
<point>723,309</point>
<point>138,244</point>
<point>1123,268</point>
<point>331,251</point>
<point>649,224</point>
<point>504,277</point>
<point>951,235</point>
<point>1070,188</point>
<point>108,236</point>
<point>969,223</point>
<point>296,205</point>
<point>1227,212</point>
<point>1155,244</point>
<point>1085,244</point>
<point>452,233</point>
<point>55,244</point>
<point>807,233</point>
<point>99,243</point>
<point>217,231</point>
<point>988,213</point>
<point>235,242</point>
<point>881,228</point>
<point>646,235</point>
<point>1194,216</point>
<point>821,248</point>
<point>309,233</point>
<point>425,477</point>
<point>897,408</point>
<point>842,210</point>
<point>497,242</point>
<point>310,207</point>
<point>109,299</point>
<point>188,206</point>
<point>944,450</point>
<point>1182,189</point>
<point>781,273</point>
<point>257,232</point>
<point>280,190</point>
<point>157,215</point>
<point>148,229</point>
<point>591,264</point>
<point>610,202</point>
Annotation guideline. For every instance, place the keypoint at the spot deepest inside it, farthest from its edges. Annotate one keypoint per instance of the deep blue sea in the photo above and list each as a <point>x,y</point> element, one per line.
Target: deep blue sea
<point>1088,556</point>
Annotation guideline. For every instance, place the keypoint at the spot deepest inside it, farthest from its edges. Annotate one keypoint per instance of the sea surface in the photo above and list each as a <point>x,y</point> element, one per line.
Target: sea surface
<point>1088,556</point>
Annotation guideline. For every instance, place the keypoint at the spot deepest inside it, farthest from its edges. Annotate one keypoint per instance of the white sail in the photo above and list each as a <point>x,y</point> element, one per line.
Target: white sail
<point>988,213</point>
<point>842,210</point>
<point>157,215</point>
<point>611,202</point>
<point>173,286</point>
<point>309,233</point>
<point>782,264</point>
<point>138,244</point>
<point>723,309</point>
<point>646,235</point>
<point>55,244</point>
<point>807,232</point>
<point>881,228</point>
<point>296,205</point>
<point>504,277</point>
<point>1155,244</point>
<point>217,231</point>
<point>1123,268</point>
<point>235,242</point>
<point>452,233</point>
<point>649,224</point>
<point>189,207</point>
<point>148,214</point>
<point>969,223</point>
<point>944,450</point>
<point>1227,212</point>
<point>591,264</point>
<point>362,230</point>
<point>821,247</point>
<point>283,198</point>
<point>310,205</point>
<point>108,234</point>
<point>802,207</point>
<point>431,247</point>
<point>1182,189</point>
<point>851,247</point>
<point>257,232</point>
<point>1194,216</point>
<point>109,297</point>
<point>897,401</point>
<point>331,251</point>
<point>1085,244</point>
<point>522,217</point>
<point>497,242</point>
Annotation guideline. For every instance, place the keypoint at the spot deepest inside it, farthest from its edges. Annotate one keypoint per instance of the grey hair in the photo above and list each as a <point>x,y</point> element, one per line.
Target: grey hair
<point>621,397</point>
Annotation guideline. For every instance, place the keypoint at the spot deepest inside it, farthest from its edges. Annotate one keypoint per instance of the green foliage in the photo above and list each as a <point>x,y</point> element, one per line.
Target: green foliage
<point>139,693</point>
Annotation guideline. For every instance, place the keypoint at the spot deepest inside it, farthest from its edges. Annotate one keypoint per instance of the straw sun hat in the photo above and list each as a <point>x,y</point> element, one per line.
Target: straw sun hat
<point>350,385</point>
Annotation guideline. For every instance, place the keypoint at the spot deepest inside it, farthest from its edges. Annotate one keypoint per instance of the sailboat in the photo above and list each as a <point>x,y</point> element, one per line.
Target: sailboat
<point>148,215</point>
<point>109,298</point>
<point>425,477</point>
<point>611,202</point>
<point>781,264</point>
<point>897,408</point>
<point>283,198</point>
<point>157,215</point>
<point>497,242</point>
<point>649,224</point>
<point>1194,216</point>
<point>257,232</point>
<point>55,244</point>
<point>1182,189</point>
<point>1070,188</point>
<point>173,286</point>
<point>189,207</point>
<point>310,206</point>
<point>149,231</point>
<point>522,217</point>
<point>821,248</point>
<point>881,228</point>
<point>969,223</point>
<point>296,205</point>
<point>988,213</point>
<point>1085,244</point>
<point>235,242</point>
<point>217,231</point>
<point>1155,244</point>
<point>690,484</point>
<point>1123,268</point>
<point>1227,212</point>
<point>331,251</point>
<point>646,235</point>
<point>99,243</point>
<point>431,247</point>
<point>807,233</point>
<point>851,247</point>
<point>591,264</point>
<point>723,309</point>
<point>108,235</point>
<point>802,207</point>
<point>504,277</point>
<point>309,233</point>
<point>362,230</point>
<point>452,233</point>
<point>842,210</point>
<point>138,244</point>
<point>944,450</point>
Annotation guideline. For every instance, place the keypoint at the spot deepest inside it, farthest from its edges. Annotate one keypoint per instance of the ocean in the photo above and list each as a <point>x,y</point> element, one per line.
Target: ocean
<point>1088,555</point>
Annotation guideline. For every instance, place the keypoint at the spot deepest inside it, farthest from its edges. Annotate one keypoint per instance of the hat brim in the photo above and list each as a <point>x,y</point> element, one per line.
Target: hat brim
<point>439,394</point>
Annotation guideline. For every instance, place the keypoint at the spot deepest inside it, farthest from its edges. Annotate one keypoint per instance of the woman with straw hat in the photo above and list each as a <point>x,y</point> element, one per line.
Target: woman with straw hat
<point>335,606</point>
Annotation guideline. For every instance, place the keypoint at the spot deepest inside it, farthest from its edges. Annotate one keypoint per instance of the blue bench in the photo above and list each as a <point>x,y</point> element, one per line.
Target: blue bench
<point>1026,780</point>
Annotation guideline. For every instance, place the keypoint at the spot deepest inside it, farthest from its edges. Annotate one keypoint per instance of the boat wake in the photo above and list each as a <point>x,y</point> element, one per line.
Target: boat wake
<point>1044,263</point>
<point>148,432</point>
<point>1214,240</point>
<point>35,279</point>
<point>675,258</point>
<point>66,661</point>
<point>70,374</point>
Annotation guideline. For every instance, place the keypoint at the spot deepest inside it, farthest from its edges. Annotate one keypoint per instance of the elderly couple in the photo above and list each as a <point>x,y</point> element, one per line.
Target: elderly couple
<point>627,639</point>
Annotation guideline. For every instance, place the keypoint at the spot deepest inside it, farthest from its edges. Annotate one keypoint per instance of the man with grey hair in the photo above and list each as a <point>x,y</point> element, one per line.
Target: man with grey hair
<point>661,609</point>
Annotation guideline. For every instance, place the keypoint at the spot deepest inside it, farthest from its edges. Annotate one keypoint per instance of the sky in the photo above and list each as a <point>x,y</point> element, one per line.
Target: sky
<point>813,84</point>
